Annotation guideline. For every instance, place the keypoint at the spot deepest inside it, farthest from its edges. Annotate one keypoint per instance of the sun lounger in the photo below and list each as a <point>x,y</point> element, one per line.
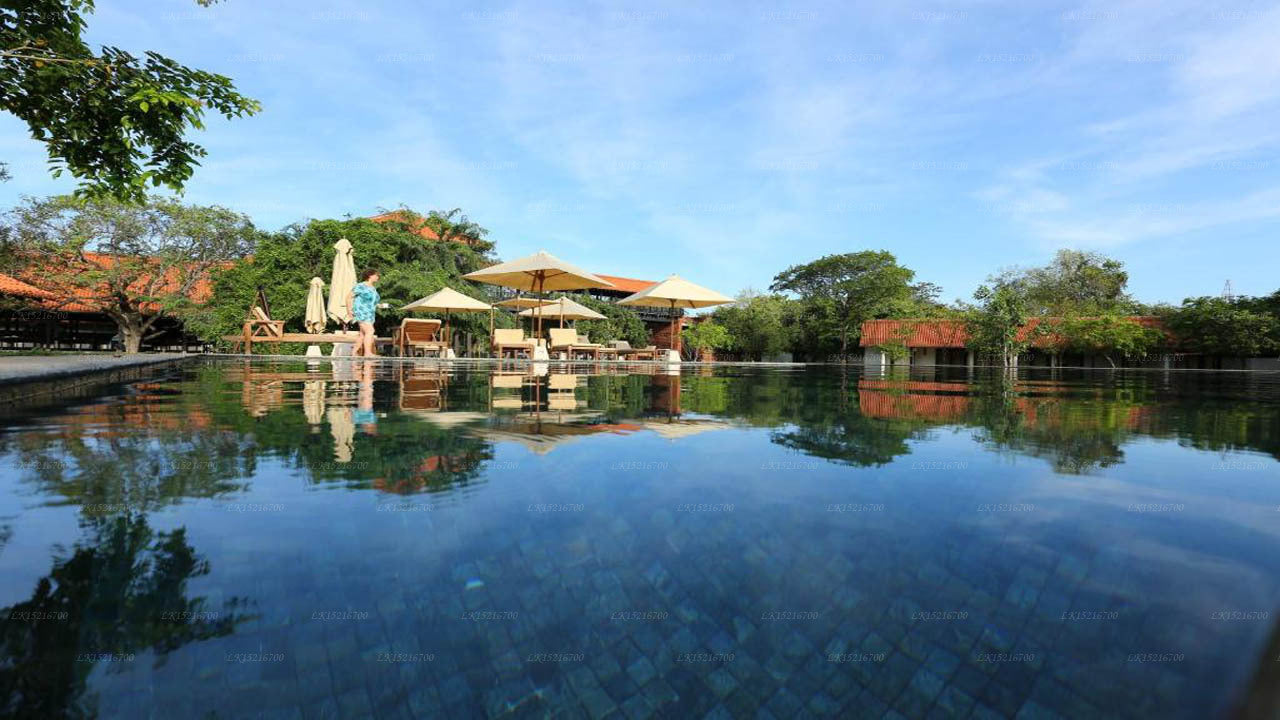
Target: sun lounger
<point>511,340</point>
<point>626,352</point>
<point>419,334</point>
<point>567,340</point>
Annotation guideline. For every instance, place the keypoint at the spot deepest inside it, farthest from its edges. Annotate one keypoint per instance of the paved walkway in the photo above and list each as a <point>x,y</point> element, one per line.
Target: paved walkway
<point>28,368</point>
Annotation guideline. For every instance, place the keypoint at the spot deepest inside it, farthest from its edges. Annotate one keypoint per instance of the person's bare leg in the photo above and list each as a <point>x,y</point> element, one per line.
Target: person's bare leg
<point>367,335</point>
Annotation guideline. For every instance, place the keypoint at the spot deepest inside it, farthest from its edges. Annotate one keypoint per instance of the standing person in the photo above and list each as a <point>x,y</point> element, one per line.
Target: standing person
<point>363,302</point>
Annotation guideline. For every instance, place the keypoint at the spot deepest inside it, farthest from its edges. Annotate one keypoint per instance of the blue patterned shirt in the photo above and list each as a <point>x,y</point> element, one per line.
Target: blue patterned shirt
<point>363,302</point>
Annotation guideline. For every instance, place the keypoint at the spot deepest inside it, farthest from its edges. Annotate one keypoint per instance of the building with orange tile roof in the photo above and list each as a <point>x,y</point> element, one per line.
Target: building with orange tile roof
<point>931,342</point>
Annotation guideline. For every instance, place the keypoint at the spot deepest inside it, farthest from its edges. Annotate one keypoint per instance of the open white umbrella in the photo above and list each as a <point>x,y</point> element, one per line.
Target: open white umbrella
<point>538,273</point>
<point>675,292</point>
<point>566,308</point>
<point>447,300</point>
<point>341,282</point>
<point>315,319</point>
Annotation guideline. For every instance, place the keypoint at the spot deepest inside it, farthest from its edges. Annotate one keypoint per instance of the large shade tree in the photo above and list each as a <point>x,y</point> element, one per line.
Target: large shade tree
<point>1074,282</point>
<point>117,122</point>
<point>137,264</point>
<point>851,288</point>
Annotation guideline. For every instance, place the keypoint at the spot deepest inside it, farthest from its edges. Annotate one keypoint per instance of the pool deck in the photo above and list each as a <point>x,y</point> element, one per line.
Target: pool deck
<point>26,377</point>
<point>27,368</point>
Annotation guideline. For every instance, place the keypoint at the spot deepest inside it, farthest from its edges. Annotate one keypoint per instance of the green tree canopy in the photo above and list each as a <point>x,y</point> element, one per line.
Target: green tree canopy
<point>1111,336</point>
<point>136,263</point>
<point>760,325</point>
<point>283,263</point>
<point>1074,282</point>
<point>1217,326</point>
<point>850,289</point>
<point>995,324</point>
<point>706,335</point>
<point>115,121</point>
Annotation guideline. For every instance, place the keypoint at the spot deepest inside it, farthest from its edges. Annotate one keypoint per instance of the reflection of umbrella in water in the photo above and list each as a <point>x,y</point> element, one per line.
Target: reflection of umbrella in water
<point>344,432</point>
<point>676,429</point>
<point>454,419</point>
<point>539,437</point>
<point>313,401</point>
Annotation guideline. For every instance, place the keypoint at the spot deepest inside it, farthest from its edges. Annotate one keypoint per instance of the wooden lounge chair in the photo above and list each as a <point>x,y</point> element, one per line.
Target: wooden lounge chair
<point>419,334</point>
<point>258,327</point>
<point>511,340</point>
<point>567,340</point>
<point>626,352</point>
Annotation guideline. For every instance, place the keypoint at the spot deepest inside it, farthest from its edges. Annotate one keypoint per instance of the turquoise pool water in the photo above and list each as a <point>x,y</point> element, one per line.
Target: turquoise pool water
<point>282,540</point>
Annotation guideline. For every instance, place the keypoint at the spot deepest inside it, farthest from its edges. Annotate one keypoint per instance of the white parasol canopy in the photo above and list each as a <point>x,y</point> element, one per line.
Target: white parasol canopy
<point>675,292</point>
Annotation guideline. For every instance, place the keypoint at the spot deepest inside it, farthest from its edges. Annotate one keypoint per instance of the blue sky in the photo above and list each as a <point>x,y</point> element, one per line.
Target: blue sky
<point>729,140</point>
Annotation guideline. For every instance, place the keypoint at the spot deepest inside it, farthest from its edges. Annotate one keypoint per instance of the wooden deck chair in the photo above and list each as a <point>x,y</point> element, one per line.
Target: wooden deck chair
<point>511,340</point>
<point>626,352</point>
<point>420,334</point>
<point>566,340</point>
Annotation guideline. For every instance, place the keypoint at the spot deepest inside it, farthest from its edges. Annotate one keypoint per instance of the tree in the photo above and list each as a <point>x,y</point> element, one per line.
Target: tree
<point>1074,283</point>
<point>706,335</point>
<point>135,263</point>
<point>1108,335</point>
<point>854,288</point>
<point>1216,326</point>
<point>284,263</point>
<point>996,326</point>
<point>758,324</point>
<point>116,122</point>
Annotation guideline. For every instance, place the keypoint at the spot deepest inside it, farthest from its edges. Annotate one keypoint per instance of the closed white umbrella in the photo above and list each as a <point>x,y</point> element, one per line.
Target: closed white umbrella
<point>675,292</point>
<point>315,319</point>
<point>341,282</point>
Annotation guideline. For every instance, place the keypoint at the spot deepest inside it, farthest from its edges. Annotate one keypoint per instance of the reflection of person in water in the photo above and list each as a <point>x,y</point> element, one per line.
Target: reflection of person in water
<point>363,416</point>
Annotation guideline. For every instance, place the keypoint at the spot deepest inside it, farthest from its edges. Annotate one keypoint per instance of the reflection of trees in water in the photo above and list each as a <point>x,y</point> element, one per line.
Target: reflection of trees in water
<point>1077,426</point>
<point>123,590</point>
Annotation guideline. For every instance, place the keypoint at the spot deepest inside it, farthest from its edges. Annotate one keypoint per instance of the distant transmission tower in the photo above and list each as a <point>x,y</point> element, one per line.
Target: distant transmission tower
<point>1227,294</point>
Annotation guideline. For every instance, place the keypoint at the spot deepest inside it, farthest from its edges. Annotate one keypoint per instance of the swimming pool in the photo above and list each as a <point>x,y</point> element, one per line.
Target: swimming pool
<point>414,539</point>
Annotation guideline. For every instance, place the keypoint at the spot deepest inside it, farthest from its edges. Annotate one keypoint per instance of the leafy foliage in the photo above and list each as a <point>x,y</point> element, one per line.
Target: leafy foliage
<point>283,264</point>
<point>1075,282</point>
<point>706,335</point>
<point>115,121</point>
<point>995,325</point>
<point>135,263</point>
<point>1110,336</point>
<point>759,325</point>
<point>849,289</point>
<point>1216,326</point>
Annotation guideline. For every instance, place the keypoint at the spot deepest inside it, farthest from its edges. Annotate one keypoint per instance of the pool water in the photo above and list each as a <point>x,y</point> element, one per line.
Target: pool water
<point>277,539</point>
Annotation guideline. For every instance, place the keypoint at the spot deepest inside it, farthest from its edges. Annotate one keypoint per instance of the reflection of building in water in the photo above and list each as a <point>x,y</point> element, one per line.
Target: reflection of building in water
<point>1036,403</point>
